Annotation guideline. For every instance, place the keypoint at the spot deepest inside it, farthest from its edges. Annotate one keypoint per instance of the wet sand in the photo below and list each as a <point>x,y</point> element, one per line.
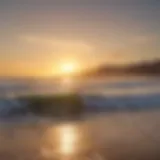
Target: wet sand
<point>116,136</point>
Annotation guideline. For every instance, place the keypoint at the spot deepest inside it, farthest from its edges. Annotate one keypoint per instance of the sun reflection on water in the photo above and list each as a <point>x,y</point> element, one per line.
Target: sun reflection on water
<point>67,81</point>
<point>68,85</point>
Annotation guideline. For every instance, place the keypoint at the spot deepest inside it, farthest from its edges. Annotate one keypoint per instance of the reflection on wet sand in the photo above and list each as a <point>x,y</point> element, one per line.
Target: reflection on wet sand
<point>63,140</point>
<point>68,138</point>
<point>118,136</point>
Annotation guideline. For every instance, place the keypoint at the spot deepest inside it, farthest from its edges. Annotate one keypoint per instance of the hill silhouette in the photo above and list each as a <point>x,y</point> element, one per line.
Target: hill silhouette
<point>142,68</point>
<point>146,68</point>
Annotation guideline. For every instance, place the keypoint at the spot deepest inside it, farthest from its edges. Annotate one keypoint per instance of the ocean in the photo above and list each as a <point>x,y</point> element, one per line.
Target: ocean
<point>120,92</point>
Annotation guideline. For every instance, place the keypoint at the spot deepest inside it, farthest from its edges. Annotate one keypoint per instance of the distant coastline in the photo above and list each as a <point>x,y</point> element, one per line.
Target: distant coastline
<point>149,68</point>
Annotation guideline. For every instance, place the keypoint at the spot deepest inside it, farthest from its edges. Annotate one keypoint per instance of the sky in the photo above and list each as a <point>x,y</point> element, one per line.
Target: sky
<point>37,36</point>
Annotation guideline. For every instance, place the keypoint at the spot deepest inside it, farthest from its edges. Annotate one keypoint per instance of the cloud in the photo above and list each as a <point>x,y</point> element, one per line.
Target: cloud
<point>60,46</point>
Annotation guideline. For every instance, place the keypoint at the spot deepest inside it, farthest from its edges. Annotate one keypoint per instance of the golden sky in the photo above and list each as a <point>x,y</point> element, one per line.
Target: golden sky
<point>38,37</point>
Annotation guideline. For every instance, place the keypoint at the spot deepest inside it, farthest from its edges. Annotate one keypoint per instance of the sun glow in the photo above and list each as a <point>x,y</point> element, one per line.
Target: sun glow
<point>68,68</point>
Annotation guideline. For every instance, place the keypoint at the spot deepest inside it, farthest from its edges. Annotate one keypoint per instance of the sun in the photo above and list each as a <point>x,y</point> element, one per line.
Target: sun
<point>68,68</point>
